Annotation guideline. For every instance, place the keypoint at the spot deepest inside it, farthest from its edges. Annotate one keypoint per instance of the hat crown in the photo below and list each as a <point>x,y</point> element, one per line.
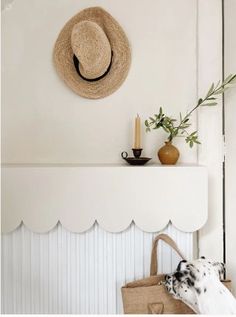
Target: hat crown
<point>92,48</point>
<point>72,62</point>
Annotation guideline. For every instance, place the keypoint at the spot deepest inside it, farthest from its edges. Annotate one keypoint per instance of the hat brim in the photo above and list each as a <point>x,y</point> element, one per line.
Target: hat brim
<point>63,55</point>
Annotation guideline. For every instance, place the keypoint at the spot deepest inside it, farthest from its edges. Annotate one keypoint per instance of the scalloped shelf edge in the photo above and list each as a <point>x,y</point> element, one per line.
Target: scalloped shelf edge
<point>112,196</point>
<point>158,228</point>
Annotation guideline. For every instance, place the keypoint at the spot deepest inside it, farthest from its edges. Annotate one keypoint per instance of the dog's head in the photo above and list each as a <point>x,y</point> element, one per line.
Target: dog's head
<point>191,276</point>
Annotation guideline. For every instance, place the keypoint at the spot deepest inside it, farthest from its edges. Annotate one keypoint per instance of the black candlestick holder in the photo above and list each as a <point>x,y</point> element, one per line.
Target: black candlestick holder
<point>136,160</point>
<point>137,152</point>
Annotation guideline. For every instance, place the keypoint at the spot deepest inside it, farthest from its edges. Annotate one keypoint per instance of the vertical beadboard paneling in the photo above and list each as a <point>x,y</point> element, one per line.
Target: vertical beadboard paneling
<point>79,273</point>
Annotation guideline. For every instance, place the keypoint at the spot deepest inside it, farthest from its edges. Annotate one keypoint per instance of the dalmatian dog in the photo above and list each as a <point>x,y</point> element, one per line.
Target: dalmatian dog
<point>197,284</point>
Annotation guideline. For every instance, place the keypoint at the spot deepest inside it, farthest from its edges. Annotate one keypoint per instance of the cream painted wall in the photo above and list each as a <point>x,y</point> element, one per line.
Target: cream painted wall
<point>230,129</point>
<point>45,122</point>
<point>176,52</point>
<point>210,152</point>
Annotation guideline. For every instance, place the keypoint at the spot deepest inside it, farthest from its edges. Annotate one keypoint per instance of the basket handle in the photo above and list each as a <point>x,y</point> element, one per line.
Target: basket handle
<point>170,242</point>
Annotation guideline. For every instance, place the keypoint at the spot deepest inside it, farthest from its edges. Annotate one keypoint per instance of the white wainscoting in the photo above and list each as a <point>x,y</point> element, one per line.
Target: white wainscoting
<point>65,272</point>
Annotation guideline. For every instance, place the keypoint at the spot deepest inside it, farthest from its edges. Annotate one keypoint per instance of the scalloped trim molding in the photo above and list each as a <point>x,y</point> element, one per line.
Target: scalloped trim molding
<point>114,196</point>
<point>45,229</point>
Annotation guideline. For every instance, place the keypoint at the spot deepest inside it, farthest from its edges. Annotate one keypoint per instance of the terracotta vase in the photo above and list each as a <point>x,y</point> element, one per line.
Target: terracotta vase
<point>168,154</point>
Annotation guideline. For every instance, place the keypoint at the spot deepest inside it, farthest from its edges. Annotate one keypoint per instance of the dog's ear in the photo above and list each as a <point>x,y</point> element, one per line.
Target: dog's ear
<point>179,267</point>
<point>223,266</point>
<point>167,277</point>
<point>178,276</point>
<point>221,270</point>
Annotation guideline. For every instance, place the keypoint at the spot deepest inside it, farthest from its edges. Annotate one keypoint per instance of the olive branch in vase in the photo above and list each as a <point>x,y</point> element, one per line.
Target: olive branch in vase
<point>179,128</point>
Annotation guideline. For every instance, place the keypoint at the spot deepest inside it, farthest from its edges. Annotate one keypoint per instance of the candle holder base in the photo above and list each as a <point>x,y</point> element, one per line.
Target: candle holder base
<point>136,160</point>
<point>137,152</point>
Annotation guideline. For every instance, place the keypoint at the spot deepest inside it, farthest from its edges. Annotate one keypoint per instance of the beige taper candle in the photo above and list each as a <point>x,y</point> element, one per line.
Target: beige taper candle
<point>137,140</point>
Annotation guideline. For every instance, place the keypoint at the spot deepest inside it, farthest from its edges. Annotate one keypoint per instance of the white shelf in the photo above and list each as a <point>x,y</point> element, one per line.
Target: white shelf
<point>112,195</point>
<point>123,164</point>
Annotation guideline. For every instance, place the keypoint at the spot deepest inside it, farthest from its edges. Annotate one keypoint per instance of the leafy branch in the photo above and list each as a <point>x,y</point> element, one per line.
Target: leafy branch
<point>170,126</point>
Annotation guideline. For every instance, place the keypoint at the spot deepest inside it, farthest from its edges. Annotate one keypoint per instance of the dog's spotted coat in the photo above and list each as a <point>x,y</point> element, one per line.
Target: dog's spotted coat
<point>197,284</point>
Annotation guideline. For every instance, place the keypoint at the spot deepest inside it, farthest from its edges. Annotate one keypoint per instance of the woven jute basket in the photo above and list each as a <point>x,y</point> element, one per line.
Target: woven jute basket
<point>148,295</point>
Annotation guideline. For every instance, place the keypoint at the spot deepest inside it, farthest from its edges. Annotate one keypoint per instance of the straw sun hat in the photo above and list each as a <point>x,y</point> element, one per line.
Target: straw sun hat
<point>92,54</point>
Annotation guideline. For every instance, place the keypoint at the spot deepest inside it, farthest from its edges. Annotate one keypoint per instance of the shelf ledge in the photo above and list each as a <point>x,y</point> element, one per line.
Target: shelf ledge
<point>114,196</point>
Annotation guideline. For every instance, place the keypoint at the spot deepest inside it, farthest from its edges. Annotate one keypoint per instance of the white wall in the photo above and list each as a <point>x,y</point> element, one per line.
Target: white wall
<point>230,129</point>
<point>210,153</point>
<point>45,122</point>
